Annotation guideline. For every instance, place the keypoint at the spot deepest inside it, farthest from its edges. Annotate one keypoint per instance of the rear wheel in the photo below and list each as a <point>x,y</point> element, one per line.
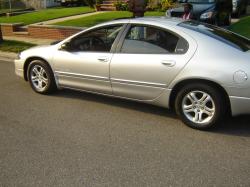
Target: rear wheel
<point>200,106</point>
<point>41,77</point>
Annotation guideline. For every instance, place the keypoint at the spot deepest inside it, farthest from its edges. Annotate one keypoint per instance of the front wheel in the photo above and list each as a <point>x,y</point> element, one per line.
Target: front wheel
<point>41,77</point>
<point>200,106</point>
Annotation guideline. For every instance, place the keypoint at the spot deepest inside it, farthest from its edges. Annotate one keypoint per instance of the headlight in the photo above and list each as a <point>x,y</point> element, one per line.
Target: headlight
<point>206,15</point>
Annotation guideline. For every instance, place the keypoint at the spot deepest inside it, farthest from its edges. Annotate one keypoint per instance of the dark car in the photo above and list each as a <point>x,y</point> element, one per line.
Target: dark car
<point>70,2</point>
<point>239,7</point>
<point>217,12</point>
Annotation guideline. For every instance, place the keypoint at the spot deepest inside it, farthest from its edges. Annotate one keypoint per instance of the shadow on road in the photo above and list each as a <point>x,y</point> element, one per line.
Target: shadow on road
<point>236,126</point>
<point>122,103</point>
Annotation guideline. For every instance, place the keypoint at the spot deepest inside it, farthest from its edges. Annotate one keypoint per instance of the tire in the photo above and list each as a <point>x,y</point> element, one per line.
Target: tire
<point>204,106</point>
<point>41,77</point>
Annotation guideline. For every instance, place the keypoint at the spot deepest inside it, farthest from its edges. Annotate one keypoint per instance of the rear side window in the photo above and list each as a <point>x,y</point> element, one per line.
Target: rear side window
<point>222,35</point>
<point>152,40</point>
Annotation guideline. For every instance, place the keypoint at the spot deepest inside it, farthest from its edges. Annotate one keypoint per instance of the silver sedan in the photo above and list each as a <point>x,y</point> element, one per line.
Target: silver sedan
<point>200,71</point>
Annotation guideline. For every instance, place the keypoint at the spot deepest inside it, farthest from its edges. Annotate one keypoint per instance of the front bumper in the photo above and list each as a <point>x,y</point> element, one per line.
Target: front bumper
<point>239,105</point>
<point>19,68</point>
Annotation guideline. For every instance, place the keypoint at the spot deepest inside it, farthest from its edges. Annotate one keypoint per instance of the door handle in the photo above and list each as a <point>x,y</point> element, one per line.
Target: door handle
<point>103,59</point>
<point>169,63</point>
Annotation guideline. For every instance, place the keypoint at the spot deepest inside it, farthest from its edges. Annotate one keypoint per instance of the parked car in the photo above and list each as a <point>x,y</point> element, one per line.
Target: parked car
<point>217,12</point>
<point>239,7</point>
<point>199,70</point>
<point>70,2</point>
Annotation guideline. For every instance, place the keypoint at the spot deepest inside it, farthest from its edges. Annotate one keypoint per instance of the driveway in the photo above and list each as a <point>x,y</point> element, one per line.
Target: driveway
<point>78,139</point>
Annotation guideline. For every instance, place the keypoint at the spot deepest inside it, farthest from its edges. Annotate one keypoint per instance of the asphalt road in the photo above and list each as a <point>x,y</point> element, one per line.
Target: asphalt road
<point>78,139</point>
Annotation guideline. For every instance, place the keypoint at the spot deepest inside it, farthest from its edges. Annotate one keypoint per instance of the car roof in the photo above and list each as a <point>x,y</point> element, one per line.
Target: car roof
<point>162,20</point>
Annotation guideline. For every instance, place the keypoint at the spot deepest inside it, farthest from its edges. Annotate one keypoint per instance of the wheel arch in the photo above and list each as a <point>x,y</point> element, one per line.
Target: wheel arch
<point>28,61</point>
<point>178,86</point>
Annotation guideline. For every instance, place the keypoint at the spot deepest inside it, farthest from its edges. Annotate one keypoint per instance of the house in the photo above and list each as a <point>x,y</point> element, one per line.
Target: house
<point>40,4</point>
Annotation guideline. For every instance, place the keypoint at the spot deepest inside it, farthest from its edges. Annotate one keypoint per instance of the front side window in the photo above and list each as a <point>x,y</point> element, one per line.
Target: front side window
<point>99,40</point>
<point>149,40</point>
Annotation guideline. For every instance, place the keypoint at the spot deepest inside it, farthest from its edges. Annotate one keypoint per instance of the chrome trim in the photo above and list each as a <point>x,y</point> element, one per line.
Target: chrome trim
<point>108,95</point>
<point>81,76</point>
<point>139,83</point>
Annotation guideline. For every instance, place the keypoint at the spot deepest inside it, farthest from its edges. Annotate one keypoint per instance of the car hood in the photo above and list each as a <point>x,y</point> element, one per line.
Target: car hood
<point>198,9</point>
<point>38,51</point>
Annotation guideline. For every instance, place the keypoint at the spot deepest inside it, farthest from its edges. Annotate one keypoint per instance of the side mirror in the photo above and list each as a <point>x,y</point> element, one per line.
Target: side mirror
<point>65,46</point>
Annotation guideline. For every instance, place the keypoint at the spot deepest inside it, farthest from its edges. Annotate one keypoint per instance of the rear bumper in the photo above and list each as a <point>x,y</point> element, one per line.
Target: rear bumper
<point>19,68</point>
<point>240,105</point>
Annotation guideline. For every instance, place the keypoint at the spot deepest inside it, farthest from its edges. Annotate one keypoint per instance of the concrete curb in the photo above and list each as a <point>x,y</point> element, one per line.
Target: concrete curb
<point>7,56</point>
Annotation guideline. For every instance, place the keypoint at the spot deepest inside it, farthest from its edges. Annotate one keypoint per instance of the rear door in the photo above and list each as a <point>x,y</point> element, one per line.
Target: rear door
<point>148,60</point>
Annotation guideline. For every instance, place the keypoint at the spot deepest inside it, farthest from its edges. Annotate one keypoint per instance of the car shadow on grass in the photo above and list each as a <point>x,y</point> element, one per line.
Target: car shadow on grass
<point>236,126</point>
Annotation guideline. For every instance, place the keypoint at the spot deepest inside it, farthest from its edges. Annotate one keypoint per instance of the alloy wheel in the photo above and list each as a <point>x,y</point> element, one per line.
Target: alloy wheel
<point>39,78</point>
<point>198,107</point>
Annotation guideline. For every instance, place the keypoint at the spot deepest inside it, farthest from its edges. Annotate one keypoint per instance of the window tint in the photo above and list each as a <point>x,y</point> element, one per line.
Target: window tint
<point>100,40</point>
<point>150,40</point>
<point>222,35</point>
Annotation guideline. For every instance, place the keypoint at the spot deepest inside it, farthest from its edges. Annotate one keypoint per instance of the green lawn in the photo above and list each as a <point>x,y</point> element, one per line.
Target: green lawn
<point>14,46</point>
<point>44,15</point>
<point>102,17</point>
<point>242,27</point>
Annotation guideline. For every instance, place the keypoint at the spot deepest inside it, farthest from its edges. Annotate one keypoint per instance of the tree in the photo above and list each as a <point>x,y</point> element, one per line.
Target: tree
<point>1,36</point>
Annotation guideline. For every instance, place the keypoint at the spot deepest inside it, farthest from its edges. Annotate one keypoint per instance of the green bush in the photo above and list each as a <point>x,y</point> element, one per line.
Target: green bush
<point>90,3</point>
<point>166,4</point>
<point>98,2</point>
<point>161,5</point>
<point>121,5</point>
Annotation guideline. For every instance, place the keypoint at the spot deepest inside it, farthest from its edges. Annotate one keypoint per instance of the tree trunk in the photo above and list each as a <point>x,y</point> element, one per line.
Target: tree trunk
<point>1,36</point>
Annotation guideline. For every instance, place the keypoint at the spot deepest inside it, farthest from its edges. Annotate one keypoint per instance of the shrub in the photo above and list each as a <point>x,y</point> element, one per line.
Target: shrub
<point>121,5</point>
<point>160,5</point>
<point>90,3</point>
<point>98,2</point>
<point>153,5</point>
<point>166,4</point>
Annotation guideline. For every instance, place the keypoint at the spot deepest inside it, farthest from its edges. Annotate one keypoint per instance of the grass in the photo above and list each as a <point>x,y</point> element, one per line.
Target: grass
<point>102,17</point>
<point>242,27</point>
<point>44,15</point>
<point>14,46</point>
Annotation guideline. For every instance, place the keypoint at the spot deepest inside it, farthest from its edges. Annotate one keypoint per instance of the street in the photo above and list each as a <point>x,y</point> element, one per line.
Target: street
<point>79,139</point>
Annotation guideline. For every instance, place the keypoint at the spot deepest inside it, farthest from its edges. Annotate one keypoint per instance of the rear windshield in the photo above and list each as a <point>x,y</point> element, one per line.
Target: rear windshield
<point>220,34</point>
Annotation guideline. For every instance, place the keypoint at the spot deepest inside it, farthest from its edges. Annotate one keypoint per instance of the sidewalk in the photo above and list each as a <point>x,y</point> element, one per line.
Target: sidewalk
<point>37,41</point>
<point>7,56</point>
<point>50,22</point>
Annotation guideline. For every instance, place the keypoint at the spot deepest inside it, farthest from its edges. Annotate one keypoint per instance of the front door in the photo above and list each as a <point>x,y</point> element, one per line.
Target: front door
<point>84,61</point>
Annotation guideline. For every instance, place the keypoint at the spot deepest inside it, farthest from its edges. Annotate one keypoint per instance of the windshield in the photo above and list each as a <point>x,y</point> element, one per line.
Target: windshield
<point>220,34</point>
<point>197,1</point>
